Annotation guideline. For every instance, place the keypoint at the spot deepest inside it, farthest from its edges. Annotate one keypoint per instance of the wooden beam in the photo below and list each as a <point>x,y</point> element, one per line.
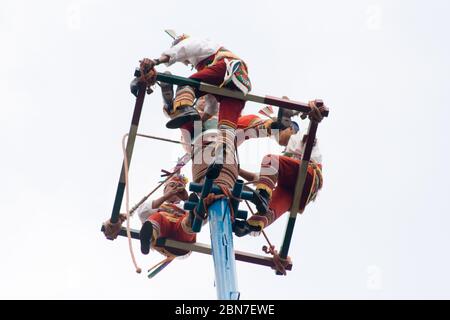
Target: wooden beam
<point>208,88</point>
<point>299,186</point>
<point>129,151</point>
<point>206,249</point>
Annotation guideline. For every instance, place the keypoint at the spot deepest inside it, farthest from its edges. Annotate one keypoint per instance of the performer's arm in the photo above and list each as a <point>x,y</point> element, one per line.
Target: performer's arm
<point>158,202</point>
<point>145,211</point>
<point>151,63</point>
<point>183,51</point>
<point>247,175</point>
<point>162,59</point>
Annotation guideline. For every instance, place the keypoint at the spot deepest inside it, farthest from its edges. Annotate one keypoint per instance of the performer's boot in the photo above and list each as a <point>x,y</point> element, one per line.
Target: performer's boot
<point>243,228</point>
<point>145,236</point>
<point>259,221</point>
<point>268,179</point>
<point>183,110</point>
<point>254,225</point>
<point>283,120</point>
<point>261,200</point>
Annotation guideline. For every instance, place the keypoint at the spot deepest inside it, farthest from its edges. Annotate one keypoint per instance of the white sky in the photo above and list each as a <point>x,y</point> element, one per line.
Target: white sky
<point>380,227</point>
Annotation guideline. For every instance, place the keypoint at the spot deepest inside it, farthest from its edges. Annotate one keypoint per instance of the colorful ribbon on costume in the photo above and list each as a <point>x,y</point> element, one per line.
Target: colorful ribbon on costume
<point>153,271</point>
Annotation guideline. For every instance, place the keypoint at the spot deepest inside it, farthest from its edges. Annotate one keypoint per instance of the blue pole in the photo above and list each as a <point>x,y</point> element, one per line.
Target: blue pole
<point>222,250</point>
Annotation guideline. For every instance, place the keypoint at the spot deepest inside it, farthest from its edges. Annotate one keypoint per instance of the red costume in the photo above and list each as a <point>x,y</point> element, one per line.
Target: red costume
<point>215,65</point>
<point>278,176</point>
<point>169,220</point>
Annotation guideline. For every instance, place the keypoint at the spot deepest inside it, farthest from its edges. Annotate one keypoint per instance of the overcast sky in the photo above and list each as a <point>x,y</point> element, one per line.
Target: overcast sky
<point>380,226</point>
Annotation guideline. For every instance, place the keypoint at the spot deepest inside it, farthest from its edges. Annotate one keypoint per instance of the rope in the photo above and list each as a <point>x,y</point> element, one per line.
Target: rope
<point>237,153</point>
<point>229,196</point>
<point>166,174</point>
<point>164,139</point>
<point>263,232</point>
<point>315,114</point>
<point>130,246</point>
<point>211,198</point>
<point>280,263</point>
<point>148,74</point>
<point>207,201</point>
<point>130,212</point>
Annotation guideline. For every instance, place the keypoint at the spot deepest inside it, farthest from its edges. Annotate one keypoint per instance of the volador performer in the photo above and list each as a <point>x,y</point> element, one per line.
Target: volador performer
<point>215,65</point>
<point>165,217</point>
<point>275,183</point>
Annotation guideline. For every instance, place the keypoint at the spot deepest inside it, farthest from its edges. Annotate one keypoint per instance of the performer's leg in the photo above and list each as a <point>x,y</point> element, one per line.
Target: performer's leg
<point>268,177</point>
<point>167,95</point>
<point>288,178</point>
<point>279,203</point>
<point>184,230</point>
<point>277,171</point>
<point>213,75</point>
<point>183,110</point>
<point>225,147</point>
<point>156,226</point>
<point>230,109</point>
<point>229,113</point>
<point>175,231</point>
<point>282,196</point>
<point>251,126</point>
<point>267,181</point>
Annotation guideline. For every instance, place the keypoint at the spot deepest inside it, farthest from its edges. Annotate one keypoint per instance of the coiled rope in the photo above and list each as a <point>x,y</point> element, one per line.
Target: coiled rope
<point>129,212</point>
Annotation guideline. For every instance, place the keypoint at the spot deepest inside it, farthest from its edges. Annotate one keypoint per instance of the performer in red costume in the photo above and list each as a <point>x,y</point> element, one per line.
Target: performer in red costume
<point>165,217</point>
<point>215,65</point>
<point>276,183</point>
